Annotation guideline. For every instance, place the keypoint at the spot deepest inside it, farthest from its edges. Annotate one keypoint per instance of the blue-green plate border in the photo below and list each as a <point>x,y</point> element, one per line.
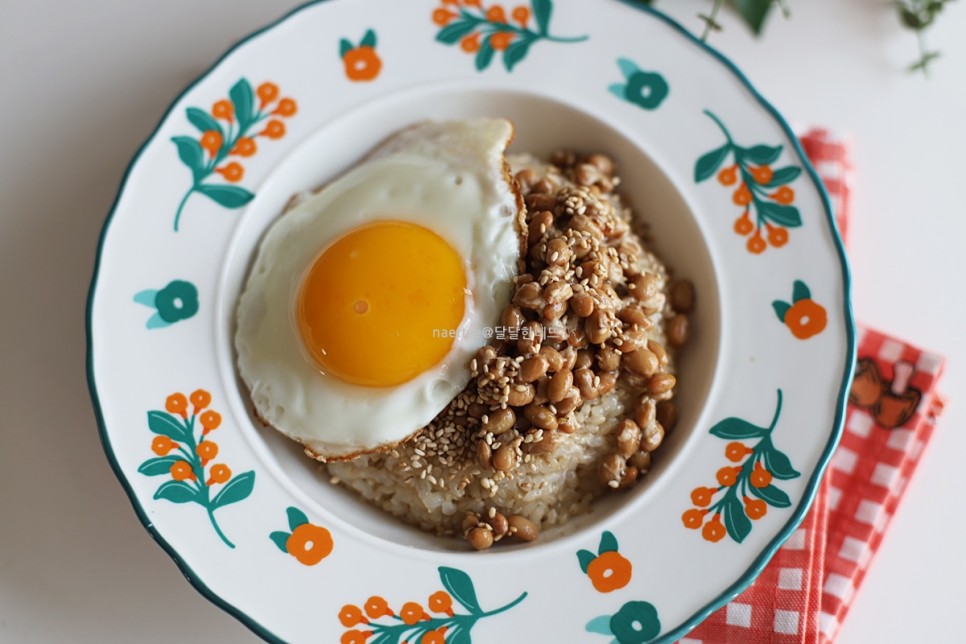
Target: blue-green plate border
<point>732,591</point>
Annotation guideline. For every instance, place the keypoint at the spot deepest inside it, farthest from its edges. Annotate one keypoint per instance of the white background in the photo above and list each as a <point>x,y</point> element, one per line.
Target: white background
<point>82,84</point>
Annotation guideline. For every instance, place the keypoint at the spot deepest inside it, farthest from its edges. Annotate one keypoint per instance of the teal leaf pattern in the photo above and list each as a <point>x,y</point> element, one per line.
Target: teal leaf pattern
<point>164,424</point>
<point>295,517</point>
<point>227,196</point>
<point>781,309</point>
<point>764,194</point>
<point>231,121</point>
<point>608,543</point>
<point>280,539</point>
<point>441,620</point>
<point>237,489</point>
<point>176,492</point>
<point>158,466</point>
<point>486,35</point>
<point>745,487</point>
<point>460,586</point>
<point>709,163</point>
<point>800,291</point>
<point>204,121</point>
<point>184,453</point>
<point>736,428</point>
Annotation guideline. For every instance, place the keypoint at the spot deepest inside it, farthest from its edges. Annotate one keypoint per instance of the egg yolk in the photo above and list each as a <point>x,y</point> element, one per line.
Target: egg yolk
<point>382,304</point>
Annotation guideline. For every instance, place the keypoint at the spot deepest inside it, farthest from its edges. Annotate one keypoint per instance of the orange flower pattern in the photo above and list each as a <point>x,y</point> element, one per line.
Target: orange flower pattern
<point>185,457</point>
<point>414,624</point>
<point>361,61</point>
<point>804,317</point>
<point>746,489</point>
<point>608,570</point>
<point>230,129</point>
<point>485,31</point>
<point>763,194</point>
<point>307,542</point>
<point>636,621</point>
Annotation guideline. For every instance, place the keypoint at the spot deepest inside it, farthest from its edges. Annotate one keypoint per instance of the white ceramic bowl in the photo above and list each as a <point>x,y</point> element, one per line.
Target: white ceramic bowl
<point>673,114</point>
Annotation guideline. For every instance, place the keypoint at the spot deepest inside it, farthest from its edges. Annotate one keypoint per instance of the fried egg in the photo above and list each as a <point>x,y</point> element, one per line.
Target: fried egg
<point>368,299</point>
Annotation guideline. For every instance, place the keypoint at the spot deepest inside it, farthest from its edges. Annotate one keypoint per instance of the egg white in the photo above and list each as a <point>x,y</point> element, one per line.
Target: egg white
<point>448,177</point>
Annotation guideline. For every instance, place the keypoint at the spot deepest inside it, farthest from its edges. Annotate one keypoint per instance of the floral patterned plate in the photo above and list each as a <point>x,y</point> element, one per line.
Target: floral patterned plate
<point>732,203</point>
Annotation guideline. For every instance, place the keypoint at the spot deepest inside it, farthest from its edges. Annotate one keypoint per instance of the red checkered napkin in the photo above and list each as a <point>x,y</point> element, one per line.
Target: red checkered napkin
<point>805,591</point>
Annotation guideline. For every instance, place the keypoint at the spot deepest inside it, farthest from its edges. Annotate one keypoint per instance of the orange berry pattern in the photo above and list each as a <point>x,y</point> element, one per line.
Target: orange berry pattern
<point>803,316</point>
<point>362,62</point>
<point>230,128</point>
<point>433,621</point>
<point>608,570</point>
<point>760,190</point>
<point>310,544</point>
<point>184,454</point>
<point>485,30</point>
<point>745,490</point>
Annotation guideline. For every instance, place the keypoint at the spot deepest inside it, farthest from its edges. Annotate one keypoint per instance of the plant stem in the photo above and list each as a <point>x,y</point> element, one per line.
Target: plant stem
<point>214,523</point>
<point>526,33</point>
<point>778,411</point>
<point>712,20</point>
<point>724,130</point>
<point>507,607</point>
<point>184,200</point>
<point>923,52</point>
<point>560,39</point>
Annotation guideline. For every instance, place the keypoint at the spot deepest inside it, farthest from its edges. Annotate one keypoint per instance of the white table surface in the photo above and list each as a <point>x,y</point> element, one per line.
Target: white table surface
<point>82,84</point>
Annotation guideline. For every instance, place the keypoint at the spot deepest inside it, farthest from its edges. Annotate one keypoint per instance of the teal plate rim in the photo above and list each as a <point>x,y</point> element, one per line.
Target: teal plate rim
<point>700,615</point>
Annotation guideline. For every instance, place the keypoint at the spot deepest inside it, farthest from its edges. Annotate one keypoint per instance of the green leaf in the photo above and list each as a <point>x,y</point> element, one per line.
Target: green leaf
<point>146,297</point>
<point>779,465</point>
<point>369,40</point>
<point>158,466</point>
<point>608,543</point>
<point>484,55</point>
<point>628,67</point>
<point>243,99</point>
<point>800,291</point>
<point>781,309</point>
<point>783,176</point>
<point>913,19</point>
<point>280,539</point>
<point>541,13</point>
<point>736,428</point>
<point>515,53</point>
<point>585,557</point>
<point>754,12</point>
<point>235,490</point>
<point>163,423</point>
<point>204,121</point>
<point>761,154</point>
<point>386,637</point>
<point>708,164</point>
<point>460,586</point>
<point>344,47</point>
<point>787,216</point>
<point>736,521</point>
<point>227,196</point>
<point>599,625</point>
<point>296,518</point>
<point>772,496</point>
<point>453,32</point>
<point>176,492</point>
<point>191,154</point>
<point>459,636</point>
